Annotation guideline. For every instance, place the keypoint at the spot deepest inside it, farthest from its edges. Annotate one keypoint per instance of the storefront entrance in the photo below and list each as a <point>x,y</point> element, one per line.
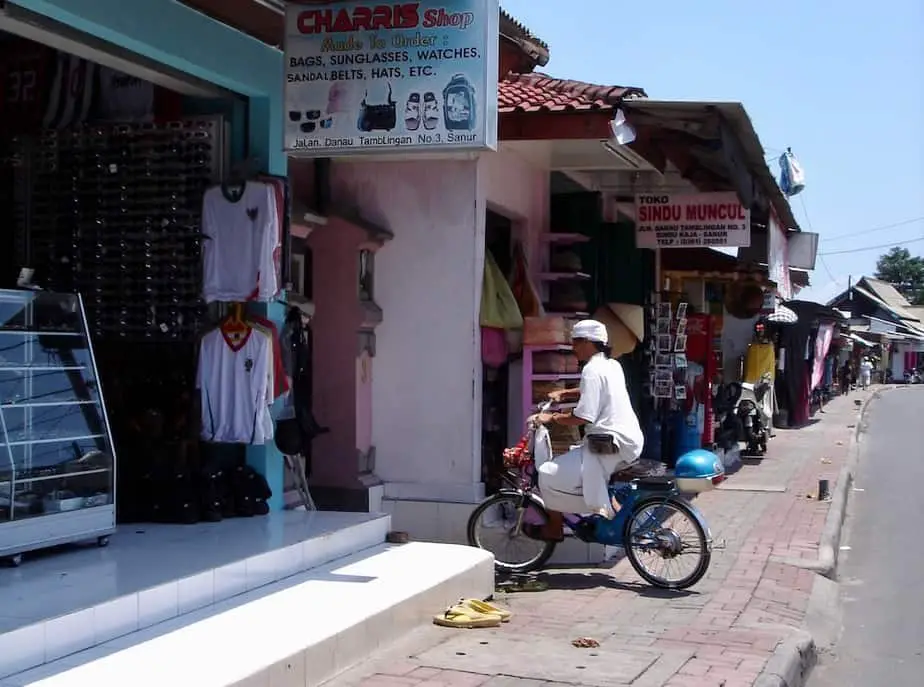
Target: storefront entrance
<point>105,302</point>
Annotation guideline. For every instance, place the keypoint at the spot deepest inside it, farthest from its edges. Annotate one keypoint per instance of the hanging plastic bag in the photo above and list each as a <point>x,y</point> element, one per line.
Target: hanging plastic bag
<point>792,176</point>
<point>499,308</point>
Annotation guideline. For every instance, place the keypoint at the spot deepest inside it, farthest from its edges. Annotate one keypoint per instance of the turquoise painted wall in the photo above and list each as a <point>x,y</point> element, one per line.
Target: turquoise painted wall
<point>181,38</point>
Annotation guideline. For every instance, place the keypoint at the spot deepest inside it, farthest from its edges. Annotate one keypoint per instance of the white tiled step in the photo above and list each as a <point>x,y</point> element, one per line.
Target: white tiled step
<point>294,633</point>
<point>286,545</point>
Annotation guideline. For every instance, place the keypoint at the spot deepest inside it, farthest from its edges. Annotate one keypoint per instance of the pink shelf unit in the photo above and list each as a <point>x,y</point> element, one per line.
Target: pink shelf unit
<point>529,377</point>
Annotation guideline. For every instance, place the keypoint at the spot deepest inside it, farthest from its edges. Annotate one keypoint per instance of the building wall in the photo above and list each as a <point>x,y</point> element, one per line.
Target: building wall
<point>517,187</point>
<point>425,400</point>
<point>427,282</point>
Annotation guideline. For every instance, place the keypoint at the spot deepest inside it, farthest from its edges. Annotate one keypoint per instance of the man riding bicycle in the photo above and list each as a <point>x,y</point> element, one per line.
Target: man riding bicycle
<point>577,481</point>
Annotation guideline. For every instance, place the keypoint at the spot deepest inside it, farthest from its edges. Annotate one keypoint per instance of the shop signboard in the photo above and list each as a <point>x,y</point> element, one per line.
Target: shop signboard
<point>363,77</point>
<point>696,220</point>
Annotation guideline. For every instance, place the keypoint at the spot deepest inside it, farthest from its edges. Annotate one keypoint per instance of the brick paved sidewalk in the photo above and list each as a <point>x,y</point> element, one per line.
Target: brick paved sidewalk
<point>720,633</point>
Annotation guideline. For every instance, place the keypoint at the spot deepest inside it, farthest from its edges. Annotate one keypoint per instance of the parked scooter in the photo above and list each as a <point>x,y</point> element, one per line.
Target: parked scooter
<point>756,414</point>
<point>744,414</point>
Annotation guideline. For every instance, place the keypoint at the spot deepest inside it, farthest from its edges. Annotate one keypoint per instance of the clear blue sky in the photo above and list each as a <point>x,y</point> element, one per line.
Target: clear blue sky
<point>842,83</point>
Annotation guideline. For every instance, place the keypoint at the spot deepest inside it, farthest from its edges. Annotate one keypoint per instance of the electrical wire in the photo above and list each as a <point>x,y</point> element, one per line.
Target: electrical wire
<point>903,223</point>
<point>894,244</point>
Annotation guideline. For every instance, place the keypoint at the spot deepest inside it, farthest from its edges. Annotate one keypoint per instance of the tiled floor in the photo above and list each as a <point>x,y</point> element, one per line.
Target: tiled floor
<point>54,583</point>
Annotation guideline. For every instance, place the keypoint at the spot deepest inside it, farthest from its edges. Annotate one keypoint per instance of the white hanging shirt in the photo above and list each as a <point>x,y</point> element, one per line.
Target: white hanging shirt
<point>241,236</point>
<point>235,380</point>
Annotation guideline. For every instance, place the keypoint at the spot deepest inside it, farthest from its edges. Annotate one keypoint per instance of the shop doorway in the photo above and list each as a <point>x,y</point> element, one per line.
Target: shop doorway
<point>499,236</point>
<point>102,176</point>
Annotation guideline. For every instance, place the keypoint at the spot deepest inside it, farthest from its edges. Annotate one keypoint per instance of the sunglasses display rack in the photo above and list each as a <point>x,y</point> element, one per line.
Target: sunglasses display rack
<point>115,216</point>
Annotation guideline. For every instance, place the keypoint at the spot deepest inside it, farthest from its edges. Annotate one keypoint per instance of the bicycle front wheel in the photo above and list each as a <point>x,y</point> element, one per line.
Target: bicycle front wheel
<point>496,525</point>
<point>666,544</point>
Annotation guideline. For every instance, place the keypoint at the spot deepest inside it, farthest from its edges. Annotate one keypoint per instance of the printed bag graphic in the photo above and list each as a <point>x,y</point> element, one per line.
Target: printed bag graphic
<point>380,117</point>
<point>459,104</point>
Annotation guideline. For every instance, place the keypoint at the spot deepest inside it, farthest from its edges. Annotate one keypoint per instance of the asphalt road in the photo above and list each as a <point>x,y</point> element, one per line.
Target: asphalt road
<point>881,575</point>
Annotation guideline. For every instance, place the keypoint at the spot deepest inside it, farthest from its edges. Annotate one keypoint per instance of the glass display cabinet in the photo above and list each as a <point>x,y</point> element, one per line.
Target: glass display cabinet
<point>57,480</point>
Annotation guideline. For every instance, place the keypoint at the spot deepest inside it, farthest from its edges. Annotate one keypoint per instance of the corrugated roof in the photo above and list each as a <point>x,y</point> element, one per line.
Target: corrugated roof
<point>509,22</point>
<point>539,92</point>
<point>917,311</point>
<point>890,296</point>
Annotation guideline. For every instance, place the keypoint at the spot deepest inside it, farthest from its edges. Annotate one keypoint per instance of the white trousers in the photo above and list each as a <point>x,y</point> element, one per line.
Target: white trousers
<point>561,481</point>
<point>864,379</point>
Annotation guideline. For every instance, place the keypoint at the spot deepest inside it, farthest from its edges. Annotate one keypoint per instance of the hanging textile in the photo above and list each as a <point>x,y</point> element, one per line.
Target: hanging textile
<point>236,379</point>
<point>241,252</point>
<point>822,344</point>
<point>499,308</point>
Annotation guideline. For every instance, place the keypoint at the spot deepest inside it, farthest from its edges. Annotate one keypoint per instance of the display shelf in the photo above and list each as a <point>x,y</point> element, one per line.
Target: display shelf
<point>530,377</point>
<point>556,377</point>
<point>56,455</point>
<point>564,237</point>
<point>563,276</point>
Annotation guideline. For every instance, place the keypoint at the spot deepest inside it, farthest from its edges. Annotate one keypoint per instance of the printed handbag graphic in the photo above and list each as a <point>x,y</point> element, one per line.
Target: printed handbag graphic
<point>459,104</point>
<point>379,117</point>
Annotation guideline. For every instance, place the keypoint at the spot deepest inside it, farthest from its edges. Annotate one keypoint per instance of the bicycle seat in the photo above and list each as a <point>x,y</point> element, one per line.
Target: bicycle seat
<point>658,483</point>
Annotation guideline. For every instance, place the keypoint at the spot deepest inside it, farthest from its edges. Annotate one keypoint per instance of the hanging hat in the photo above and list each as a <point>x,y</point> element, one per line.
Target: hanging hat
<point>625,325</point>
<point>632,316</point>
<point>301,303</point>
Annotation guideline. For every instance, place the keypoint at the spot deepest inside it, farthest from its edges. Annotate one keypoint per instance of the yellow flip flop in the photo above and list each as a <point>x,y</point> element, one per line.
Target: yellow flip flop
<point>463,617</point>
<point>486,608</point>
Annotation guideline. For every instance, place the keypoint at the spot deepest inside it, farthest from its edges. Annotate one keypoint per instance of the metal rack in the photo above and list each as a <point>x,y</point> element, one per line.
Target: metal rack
<point>57,463</point>
<point>114,213</point>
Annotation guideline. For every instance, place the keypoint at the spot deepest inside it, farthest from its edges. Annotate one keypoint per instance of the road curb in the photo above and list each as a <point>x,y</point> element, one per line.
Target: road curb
<point>791,663</point>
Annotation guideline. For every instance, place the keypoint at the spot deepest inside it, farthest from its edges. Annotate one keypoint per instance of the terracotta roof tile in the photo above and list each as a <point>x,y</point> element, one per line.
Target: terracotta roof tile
<point>539,92</point>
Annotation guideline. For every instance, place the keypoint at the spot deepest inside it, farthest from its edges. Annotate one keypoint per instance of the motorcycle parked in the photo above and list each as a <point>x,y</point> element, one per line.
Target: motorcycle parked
<point>744,414</point>
<point>653,522</point>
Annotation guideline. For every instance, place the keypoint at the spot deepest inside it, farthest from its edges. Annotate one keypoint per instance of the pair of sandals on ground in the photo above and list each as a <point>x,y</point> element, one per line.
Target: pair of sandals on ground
<point>472,613</point>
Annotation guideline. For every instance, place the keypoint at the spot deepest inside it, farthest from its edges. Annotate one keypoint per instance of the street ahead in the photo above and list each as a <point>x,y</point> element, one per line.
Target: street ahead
<point>882,572</point>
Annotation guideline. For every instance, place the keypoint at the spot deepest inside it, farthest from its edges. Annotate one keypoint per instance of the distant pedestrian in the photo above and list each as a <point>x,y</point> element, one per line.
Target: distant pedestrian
<point>866,372</point>
<point>846,377</point>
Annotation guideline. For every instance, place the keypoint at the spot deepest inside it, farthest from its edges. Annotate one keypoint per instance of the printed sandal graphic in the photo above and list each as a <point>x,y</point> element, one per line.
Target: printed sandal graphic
<point>431,111</point>
<point>412,112</point>
<point>487,608</point>
<point>467,618</point>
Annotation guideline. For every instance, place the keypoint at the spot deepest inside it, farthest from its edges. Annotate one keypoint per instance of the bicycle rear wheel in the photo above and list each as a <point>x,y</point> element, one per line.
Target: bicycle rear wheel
<point>667,534</point>
<point>496,525</point>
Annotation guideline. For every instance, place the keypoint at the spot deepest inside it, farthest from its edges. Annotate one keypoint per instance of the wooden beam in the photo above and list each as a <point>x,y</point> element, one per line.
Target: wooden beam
<point>645,145</point>
<point>554,126</point>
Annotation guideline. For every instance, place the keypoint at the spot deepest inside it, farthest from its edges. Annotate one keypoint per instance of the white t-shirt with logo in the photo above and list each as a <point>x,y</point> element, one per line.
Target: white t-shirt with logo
<point>235,380</point>
<point>605,405</point>
<point>241,236</point>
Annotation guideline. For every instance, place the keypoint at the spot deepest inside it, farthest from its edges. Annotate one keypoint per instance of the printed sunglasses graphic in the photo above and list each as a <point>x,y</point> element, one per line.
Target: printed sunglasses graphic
<point>312,123</point>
